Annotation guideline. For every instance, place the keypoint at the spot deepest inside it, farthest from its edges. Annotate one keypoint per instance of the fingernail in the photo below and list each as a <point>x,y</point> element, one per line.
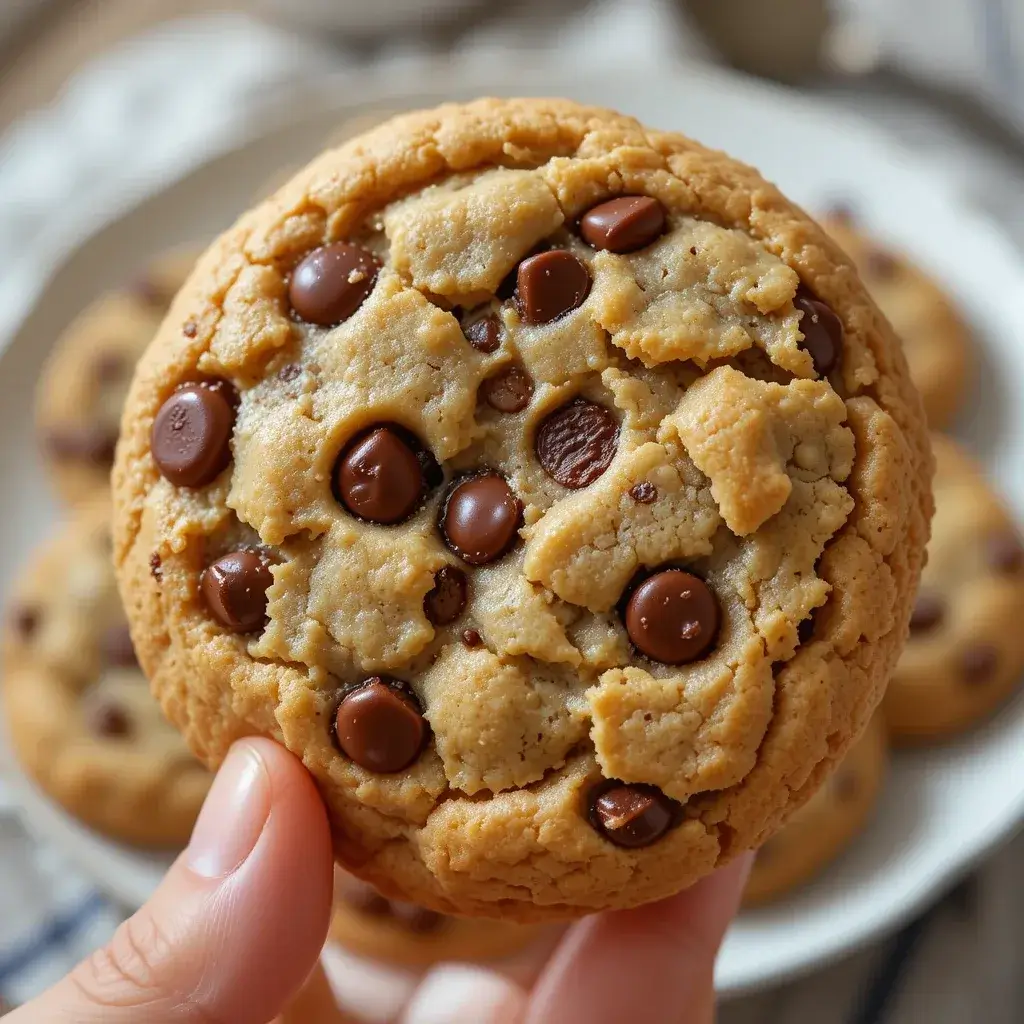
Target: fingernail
<point>459,994</point>
<point>233,816</point>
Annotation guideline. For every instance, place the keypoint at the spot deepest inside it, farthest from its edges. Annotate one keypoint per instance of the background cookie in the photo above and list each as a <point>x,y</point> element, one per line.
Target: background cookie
<point>965,654</point>
<point>83,722</point>
<point>83,386</point>
<point>826,824</point>
<point>936,340</point>
<point>563,517</point>
<point>370,925</point>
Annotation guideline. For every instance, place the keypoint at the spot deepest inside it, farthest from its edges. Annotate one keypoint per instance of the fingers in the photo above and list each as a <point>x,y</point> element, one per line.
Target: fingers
<point>462,994</point>
<point>651,965</point>
<point>238,923</point>
<point>314,1004</point>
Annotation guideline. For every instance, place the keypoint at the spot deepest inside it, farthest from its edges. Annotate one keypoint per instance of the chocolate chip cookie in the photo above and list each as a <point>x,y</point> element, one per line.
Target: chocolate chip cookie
<point>85,381</point>
<point>826,825</point>
<point>965,654</point>
<point>936,339</point>
<point>549,485</point>
<point>79,711</point>
<point>370,925</point>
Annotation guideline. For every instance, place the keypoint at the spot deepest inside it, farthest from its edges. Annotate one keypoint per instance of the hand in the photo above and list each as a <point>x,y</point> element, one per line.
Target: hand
<point>651,965</point>
<point>236,927</point>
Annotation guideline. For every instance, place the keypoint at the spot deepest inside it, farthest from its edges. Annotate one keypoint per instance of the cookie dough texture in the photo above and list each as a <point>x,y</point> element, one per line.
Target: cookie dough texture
<point>801,499</point>
<point>369,925</point>
<point>80,714</point>
<point>85,381</point>
<point>826,825</point>
<point>965,654</point>
<point>936,339</point>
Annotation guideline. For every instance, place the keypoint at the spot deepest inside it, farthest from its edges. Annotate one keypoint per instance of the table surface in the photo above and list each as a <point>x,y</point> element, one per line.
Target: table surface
<point>965,962</point>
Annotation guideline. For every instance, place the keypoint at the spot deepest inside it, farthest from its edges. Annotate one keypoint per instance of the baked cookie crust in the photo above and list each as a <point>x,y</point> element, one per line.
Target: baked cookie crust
<point>687,400</point>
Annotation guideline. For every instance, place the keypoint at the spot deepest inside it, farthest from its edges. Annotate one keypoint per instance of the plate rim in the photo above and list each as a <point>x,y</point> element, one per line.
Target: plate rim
<point>56,250</point>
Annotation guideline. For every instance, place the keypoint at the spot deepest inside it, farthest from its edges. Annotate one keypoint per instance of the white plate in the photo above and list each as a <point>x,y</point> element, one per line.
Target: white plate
<point>921,839</point>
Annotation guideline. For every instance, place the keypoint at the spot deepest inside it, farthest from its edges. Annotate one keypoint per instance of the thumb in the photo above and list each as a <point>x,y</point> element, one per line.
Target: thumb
<point>238,923</point>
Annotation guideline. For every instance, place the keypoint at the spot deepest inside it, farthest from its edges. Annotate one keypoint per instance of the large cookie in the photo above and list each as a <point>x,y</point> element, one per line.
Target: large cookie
<point>965,654</point>
<point>549,485</point>
<point>82,719</point>
<point>936,340</point>
<point>85,381</point>
<point>826,825</point>
<point>368,924</point>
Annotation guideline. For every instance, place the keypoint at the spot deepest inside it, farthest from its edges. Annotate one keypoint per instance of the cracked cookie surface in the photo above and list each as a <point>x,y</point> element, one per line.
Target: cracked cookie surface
<point>549,485</point>
<point>81,716</point>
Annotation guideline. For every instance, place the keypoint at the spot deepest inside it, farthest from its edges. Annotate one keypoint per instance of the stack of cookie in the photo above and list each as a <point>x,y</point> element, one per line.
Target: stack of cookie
<point>964,657</point>
<point>407,935</point>
<point>81,718</point>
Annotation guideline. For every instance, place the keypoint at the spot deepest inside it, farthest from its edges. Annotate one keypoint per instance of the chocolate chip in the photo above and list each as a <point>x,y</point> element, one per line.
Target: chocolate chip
<point>108,720</point>
<point>151,291</point>
<point>190,328</point>
<point>672,617</point>
<point>235,589</point>
<point>631,815</point>
<point>156,566</point>
<point>624,224</point>
<point>880,263</point>
<point>510,391</point>
<point>380,726</point>
<point>644,492</point>
<point>978,664</point>
<point>117,647</point>
<point>471,638</point>
<point>445,602</point>
<point>822,331</point>
<point>481,518</point>
<point>483,334</point>
<point>332,282</point>
<point>577,443</point>
<point>379,478</point>
<point>418,920</point>
<point>363,898</point>
<point>846,785</point>
<point>549,285</point>
<point>191,437</point>
<point>108,367</point>
<point>26,621</point>
<point>1004,553</point>
<point>289,372</point>
<point>842,212</point>
<point>929,609</point>
<point>94,444</point>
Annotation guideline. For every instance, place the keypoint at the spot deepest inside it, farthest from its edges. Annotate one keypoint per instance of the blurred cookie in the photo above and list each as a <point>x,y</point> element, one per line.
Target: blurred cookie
<point>83,722</point>
<point>966,648</point>
<point>826,824</point>
<point>85,381</point>
<point>936,340</point>
<point>368,924</point>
